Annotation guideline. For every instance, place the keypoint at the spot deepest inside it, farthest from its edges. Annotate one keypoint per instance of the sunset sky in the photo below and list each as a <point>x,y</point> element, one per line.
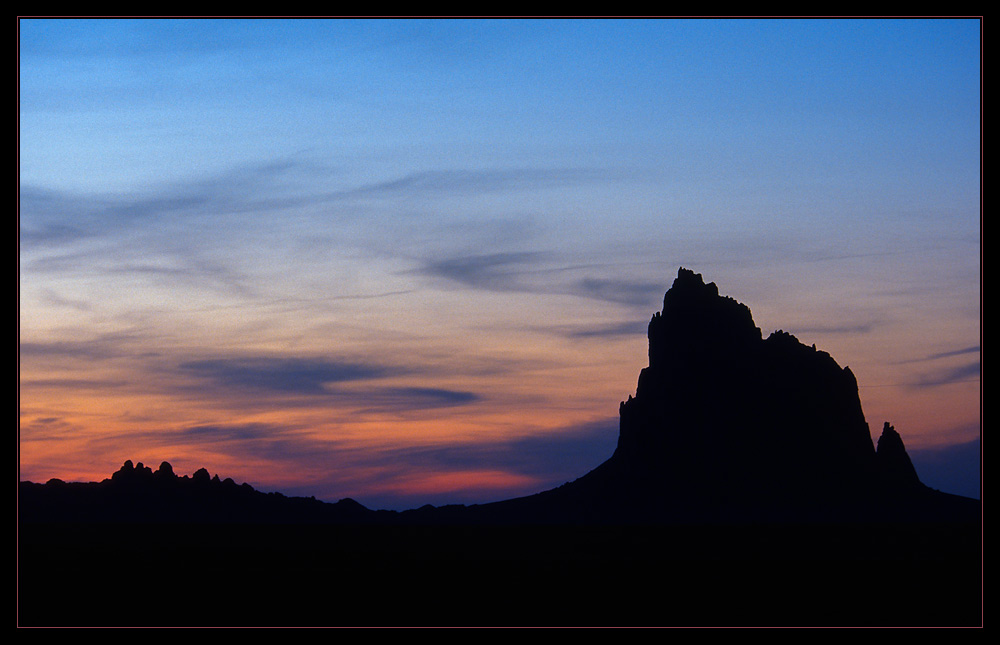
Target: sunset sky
<point>413,261</point>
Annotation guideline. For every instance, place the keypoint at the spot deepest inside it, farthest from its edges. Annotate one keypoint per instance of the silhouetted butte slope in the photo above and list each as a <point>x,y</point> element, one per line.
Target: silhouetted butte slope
<point>726,425</point>
<point>730,451</point>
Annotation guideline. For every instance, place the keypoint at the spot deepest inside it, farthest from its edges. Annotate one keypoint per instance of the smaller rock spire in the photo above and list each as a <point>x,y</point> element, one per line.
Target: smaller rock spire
<point>893,462</point>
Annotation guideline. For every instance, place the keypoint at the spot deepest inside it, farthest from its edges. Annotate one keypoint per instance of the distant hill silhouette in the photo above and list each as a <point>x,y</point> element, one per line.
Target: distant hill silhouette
<point>724,426</point>
<point>745,489</point>
<point>136,493</point>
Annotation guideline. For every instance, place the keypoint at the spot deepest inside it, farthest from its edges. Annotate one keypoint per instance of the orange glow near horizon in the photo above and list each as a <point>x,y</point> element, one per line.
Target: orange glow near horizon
<point>335,255</point>
<point>79,421</point>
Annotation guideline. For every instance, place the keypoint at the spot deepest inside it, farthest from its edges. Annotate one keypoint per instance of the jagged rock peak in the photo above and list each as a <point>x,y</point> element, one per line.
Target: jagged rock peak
<point>128,472</point>
<point>723,417</point>
<point>893,461</point>
<point>139,473</point>
<point>687,281</point>
<point>696,317</point>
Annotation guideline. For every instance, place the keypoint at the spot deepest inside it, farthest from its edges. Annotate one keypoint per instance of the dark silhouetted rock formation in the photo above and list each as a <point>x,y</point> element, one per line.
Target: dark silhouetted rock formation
<point>744,490</point>
<point>894,464</point>
<point>725,420</point>
<point>726,425</point>
<point>135,493</point>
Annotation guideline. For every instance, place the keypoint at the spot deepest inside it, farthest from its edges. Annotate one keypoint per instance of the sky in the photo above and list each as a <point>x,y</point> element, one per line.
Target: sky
<point>413,261</point>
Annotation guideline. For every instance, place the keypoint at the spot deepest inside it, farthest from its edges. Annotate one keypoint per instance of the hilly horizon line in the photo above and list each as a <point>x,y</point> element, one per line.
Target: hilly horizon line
<point>745,482</point>
<point>202,473</point>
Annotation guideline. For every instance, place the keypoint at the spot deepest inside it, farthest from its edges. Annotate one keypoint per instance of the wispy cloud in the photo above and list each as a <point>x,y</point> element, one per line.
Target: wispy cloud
<point>848,328</point>
<point>53,217</point>
<point>611,330</point>
<point>946,375</point>
<point>198,232</point>
<point>539,272</point>
<point>475,181</point>
<point>52,298</point>
<point>431,397</point>
<point>968,372</point>
<point>318,381</point>
<point>975,349</point>
<point>493,271</point>
<point>626,292</point>
<point>288,375</point>
<point>111,345</point>
<point>166,236</point>
<point>245,442</point>
<point>96,385</point>
<point>560,454</point>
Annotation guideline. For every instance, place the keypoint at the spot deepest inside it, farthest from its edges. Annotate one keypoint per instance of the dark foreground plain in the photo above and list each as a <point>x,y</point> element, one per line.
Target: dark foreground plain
<point>233,575</point>
<point>745,490</point>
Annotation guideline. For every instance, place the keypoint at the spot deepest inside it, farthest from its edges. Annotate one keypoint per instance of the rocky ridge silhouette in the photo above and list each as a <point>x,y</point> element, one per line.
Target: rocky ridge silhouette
<point>745,490</point>
<point>136,493</point>
<point>725,425</point>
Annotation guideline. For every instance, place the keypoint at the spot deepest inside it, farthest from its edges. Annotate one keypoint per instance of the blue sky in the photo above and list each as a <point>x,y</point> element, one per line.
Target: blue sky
<point>468,211</point>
